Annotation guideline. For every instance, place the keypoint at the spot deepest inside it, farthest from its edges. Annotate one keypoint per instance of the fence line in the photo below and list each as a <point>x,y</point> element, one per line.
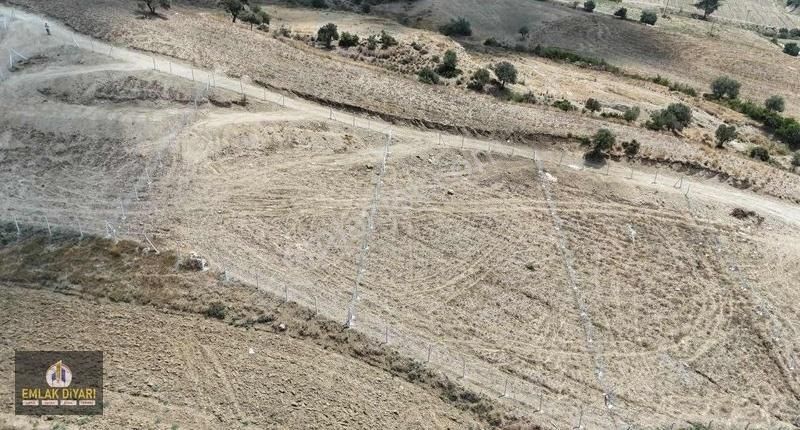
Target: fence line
<point>527,397</point>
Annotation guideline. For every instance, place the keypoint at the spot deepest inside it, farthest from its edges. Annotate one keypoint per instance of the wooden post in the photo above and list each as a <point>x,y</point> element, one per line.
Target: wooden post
<point>428,360</point>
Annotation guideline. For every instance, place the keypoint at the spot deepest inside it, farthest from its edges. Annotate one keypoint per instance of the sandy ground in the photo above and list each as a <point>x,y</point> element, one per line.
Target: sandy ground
<point>582,289</point>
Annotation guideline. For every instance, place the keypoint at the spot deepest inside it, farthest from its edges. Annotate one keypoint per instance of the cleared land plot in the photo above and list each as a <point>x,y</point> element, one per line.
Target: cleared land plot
<point>193,372</point>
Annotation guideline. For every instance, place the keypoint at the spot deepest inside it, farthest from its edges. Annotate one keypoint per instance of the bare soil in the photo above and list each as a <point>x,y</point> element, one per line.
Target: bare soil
<point>588,289</point>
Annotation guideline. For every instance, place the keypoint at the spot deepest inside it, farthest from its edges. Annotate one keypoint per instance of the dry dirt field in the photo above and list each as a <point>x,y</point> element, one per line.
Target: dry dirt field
<point>237,51</point>
<point>192,372</point>
<point>572,295</point>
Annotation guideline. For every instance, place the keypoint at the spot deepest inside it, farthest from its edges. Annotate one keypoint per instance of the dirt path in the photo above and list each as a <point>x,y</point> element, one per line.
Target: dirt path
<point>132,60</point>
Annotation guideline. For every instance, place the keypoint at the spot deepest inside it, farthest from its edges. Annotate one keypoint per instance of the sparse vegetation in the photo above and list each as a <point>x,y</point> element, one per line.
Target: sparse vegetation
<point>760,153</point>
<point>796,159</point>
<point>457,27</point>
<point>327,34</point>
<point>792,49</point>
<point>428,76</point>
<point>775,104</point>
<point>347,40</point>
<point>506,73</point>
<point>631,114</point>
<point>674,118</point>
<point>217,310</point>
<point>725,86</point>
<point>387,40</point>
<point>255,16</point>
<point>648,17</point>
<point>602,142</point>
<point>785,129</point>
<point>589,5</point>
<point>233,7</point>
<point>724,134</point>
<point>564,105</point>
<point>593,105</point>
<point>448,68</point>
<point>631,148</point>
<point>708,6</point>
<point>480,78</point>
<point>621,13</point>
<point>524,31</point>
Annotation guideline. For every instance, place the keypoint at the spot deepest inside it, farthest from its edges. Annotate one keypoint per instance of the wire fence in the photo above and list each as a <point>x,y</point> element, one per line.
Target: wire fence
<point>121,217</point>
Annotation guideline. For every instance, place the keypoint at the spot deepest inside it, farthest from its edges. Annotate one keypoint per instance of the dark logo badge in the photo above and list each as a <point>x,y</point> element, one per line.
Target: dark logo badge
<point>58,382</point>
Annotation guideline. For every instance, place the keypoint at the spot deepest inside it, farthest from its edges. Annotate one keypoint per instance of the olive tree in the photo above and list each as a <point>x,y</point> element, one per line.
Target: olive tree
<point>506,73</point>
<point>725,133</point>
<point>708,6</point>
<point>327,34</point>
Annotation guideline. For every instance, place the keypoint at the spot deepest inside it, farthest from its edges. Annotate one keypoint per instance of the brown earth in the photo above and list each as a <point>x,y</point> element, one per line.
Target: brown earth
<point>552,277</point>
<point>206,37</point>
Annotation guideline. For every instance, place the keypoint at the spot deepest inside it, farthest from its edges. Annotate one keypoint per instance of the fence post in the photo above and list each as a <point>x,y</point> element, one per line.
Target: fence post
<point>16,224</point>
<point>580,419</point>
<point>256,281</point>
<point>430,346</point>
<point>49,232</point>
<point>505,388</point>
<point>286,293</point>
<point>655,178</point>
<point>463,367</point>
<point>386,335</point>
<point>192,74</point>
<point>541,401</point>
<point>154,62</point>
<point>316,311</point>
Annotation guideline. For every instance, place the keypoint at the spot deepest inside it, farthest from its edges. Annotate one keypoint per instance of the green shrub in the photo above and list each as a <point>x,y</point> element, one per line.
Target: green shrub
<point>603,140</point>
<point>428,76</point>
<point>559,54</point>
<point>621,13</point>
<point>724,86</point>
<point>319,4</point>
<point>792,49</point>
<point>760,153</point>
<point>785,129</point>
<point>480,78</point>
<point>675,118</point>
<point>593,105</point>
<point>725,133</point>
<point>448,67</point>
<point>796,159</point>
<point>457,27</point>
<point>631,114</point>
<point>387,40</point>
<point>648,17</point>
<point>217,310</point>
<point>589,5</point>
<point>775,104</point>
<point>372,42</point>
<point>527,97</point>
<point>631,148</point>
<point>347,40</point>
<point>564,105</point>
<point>492,42</point>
